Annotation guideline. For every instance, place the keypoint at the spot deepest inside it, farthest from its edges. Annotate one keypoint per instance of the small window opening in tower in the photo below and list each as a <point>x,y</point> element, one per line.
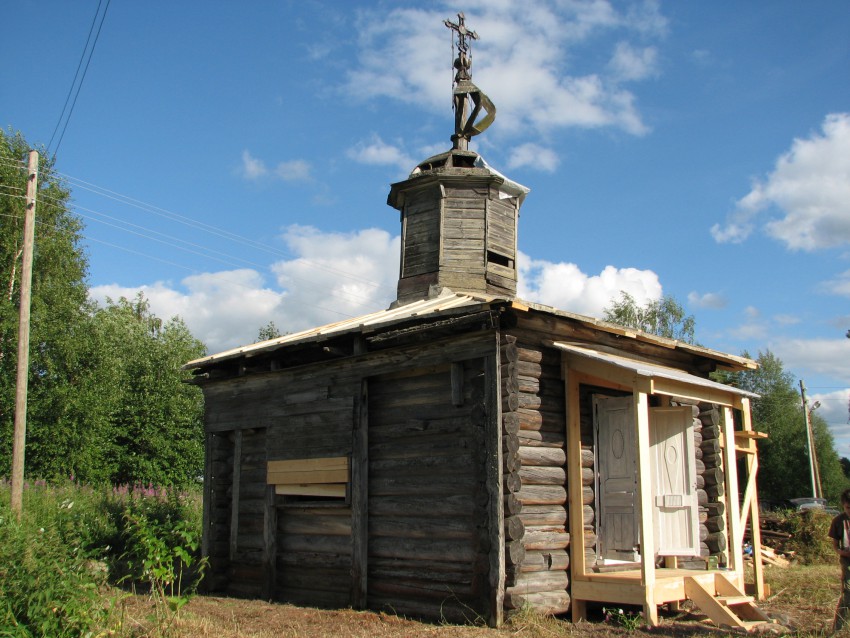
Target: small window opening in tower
<point>501,260</point>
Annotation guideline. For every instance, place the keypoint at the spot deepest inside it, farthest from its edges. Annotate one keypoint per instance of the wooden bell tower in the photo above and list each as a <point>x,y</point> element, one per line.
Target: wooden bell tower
<point>458,215</point>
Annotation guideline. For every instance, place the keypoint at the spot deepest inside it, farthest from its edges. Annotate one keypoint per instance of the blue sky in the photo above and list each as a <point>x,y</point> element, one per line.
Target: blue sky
<point>233,159</point>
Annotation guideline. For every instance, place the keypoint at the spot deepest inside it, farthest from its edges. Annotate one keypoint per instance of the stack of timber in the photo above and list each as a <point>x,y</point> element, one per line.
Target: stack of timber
<point>536,514</point>
<point>428,544</point>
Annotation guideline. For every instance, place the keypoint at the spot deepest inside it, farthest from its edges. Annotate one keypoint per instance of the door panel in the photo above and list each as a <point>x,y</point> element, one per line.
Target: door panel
<point>675,513</point>
<point>615,429</point>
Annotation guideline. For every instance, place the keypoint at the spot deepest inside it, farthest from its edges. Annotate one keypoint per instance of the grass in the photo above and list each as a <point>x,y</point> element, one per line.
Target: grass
<point>81,534</point>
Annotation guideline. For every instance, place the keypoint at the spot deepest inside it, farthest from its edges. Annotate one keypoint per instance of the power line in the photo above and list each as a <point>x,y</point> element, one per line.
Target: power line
<point>82,78</point>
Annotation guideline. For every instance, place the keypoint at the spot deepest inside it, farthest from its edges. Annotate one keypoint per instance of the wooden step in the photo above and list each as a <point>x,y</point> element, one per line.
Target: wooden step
<point>724,603</point>
<point>734,600</point>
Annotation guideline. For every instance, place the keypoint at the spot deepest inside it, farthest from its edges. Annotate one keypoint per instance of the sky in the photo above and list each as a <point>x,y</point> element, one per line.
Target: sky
<point>232,160</point>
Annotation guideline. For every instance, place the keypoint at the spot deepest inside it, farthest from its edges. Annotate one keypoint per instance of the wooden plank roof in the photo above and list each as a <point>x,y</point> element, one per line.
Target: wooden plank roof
<point>451,304</point>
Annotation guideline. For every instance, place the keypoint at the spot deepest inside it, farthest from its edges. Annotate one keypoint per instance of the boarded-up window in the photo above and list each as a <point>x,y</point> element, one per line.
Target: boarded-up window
<point>321,477</point>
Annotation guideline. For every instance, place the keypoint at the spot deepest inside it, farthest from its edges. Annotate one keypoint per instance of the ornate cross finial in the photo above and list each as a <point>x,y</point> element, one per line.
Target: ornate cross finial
<point>462,32</point>
<point>465,91</point>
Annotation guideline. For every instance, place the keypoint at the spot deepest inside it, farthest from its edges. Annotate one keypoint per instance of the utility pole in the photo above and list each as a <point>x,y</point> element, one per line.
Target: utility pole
<point>810,438</point>
<point>19,444</point>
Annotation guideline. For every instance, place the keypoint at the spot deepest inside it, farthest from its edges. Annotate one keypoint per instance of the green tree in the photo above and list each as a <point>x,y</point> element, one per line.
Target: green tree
<point>155,420</point>
<point>107,402</point>
<point>59,291</point>
<point>664,317</point>
<point>268,331</point>
<point>784,470</point>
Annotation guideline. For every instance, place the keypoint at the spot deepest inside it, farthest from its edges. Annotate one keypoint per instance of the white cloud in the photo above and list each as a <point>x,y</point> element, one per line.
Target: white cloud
<point>252,168</point>
<point>377,152</point>
<point>713,300</point>
<point>333,276</point>
<point>290,171</point>
<point>631,63</point>
<point>293,171</point>
<point>833,407</point>
<point>809,186</point>
<point>563,285</point>
<point>786,320</point>
<point>523,56</point>
<point>829,357</point>
<point>533,156</point>
<point>840,285</point>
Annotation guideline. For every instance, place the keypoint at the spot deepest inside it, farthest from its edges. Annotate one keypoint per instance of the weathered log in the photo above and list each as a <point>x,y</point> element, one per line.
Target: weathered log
<point>510,384</point>
<point>588,515</point>
<point>422,549</point>
<point>711,432</point>
<point>542,438</point>
<point>588,476</point>
<point>313,543</point>
<point>421,527</point>
<point>546,560</point>
<point>540,419</point>
<point>316,524</point>
<point>699,466</point>
<point>447,609</point>
<point>510,443</point>
<point>542,403</point>
<point>545,538</point>
<point>713,476</point>
<point>549,457</point>
<point>512,504</point>
<point>510,401</point>
<point>514,552</point>
<point>716,509</point>
<point>542,495</point>
<point>587,458</point>
<point>715,523</point>
<point>513,482</point>
<point>716,542</point>
<point>511,422</point>
<point>315,578</point>
<point>715,492</point>
<point>511,461</point>
<point>539,581</point>
<point>700,482</point>
<point>550,603</point>
<point>539,475</point>
<point>448,505</point>
<point>711,416</point>
<point>551,515</point>
<point>509,352</point>
<point>514,528</point>
<point>702,497</point>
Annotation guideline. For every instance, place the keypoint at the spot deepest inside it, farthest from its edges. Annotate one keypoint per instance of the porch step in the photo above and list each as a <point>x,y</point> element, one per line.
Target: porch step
<point>724,603</point>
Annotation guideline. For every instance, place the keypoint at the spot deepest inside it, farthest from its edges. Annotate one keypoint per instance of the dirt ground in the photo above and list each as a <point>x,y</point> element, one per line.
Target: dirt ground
<point>802,600</point>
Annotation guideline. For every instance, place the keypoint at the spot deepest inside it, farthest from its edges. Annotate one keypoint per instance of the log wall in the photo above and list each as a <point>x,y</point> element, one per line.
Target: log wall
<point>535,482</point>
<point>414,538</point>
<point>428,538</point>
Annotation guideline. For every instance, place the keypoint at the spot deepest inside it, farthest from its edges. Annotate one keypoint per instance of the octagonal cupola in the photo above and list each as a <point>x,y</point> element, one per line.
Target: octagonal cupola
<point>458,215</point>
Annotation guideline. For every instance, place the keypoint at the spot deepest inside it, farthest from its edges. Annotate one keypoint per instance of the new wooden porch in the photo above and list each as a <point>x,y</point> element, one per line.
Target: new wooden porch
<point>655,580</point>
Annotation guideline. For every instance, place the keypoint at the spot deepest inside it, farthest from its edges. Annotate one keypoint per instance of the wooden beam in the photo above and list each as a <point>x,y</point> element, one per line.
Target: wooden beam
<point>755,522</point>
<point>495,503</point>
<point>671,387</point>
<point>644,494</point>
<point>733,508</point>
<point>269,544</point>
<point>207,502</point>
<point>314,489</point>
<point>234,498</point>
<point>360,501</point>
<point>576,518</point>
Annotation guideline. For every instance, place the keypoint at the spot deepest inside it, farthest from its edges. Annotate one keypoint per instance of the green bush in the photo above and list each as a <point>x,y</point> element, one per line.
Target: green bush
<point>48,586</point>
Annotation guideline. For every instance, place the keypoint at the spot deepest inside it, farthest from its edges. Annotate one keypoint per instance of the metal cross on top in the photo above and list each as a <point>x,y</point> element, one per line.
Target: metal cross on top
<point>462,32</point>
<point>465,93</point>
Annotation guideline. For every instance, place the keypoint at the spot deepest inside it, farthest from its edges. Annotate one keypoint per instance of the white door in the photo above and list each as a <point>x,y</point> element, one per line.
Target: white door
<point>674,489</point>
<point>615,437</point>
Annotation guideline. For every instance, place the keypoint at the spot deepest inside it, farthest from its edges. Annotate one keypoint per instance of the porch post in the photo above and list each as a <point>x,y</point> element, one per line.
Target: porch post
<point>574,487</point>
<point>644,492</point>
<point>733,506</point>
